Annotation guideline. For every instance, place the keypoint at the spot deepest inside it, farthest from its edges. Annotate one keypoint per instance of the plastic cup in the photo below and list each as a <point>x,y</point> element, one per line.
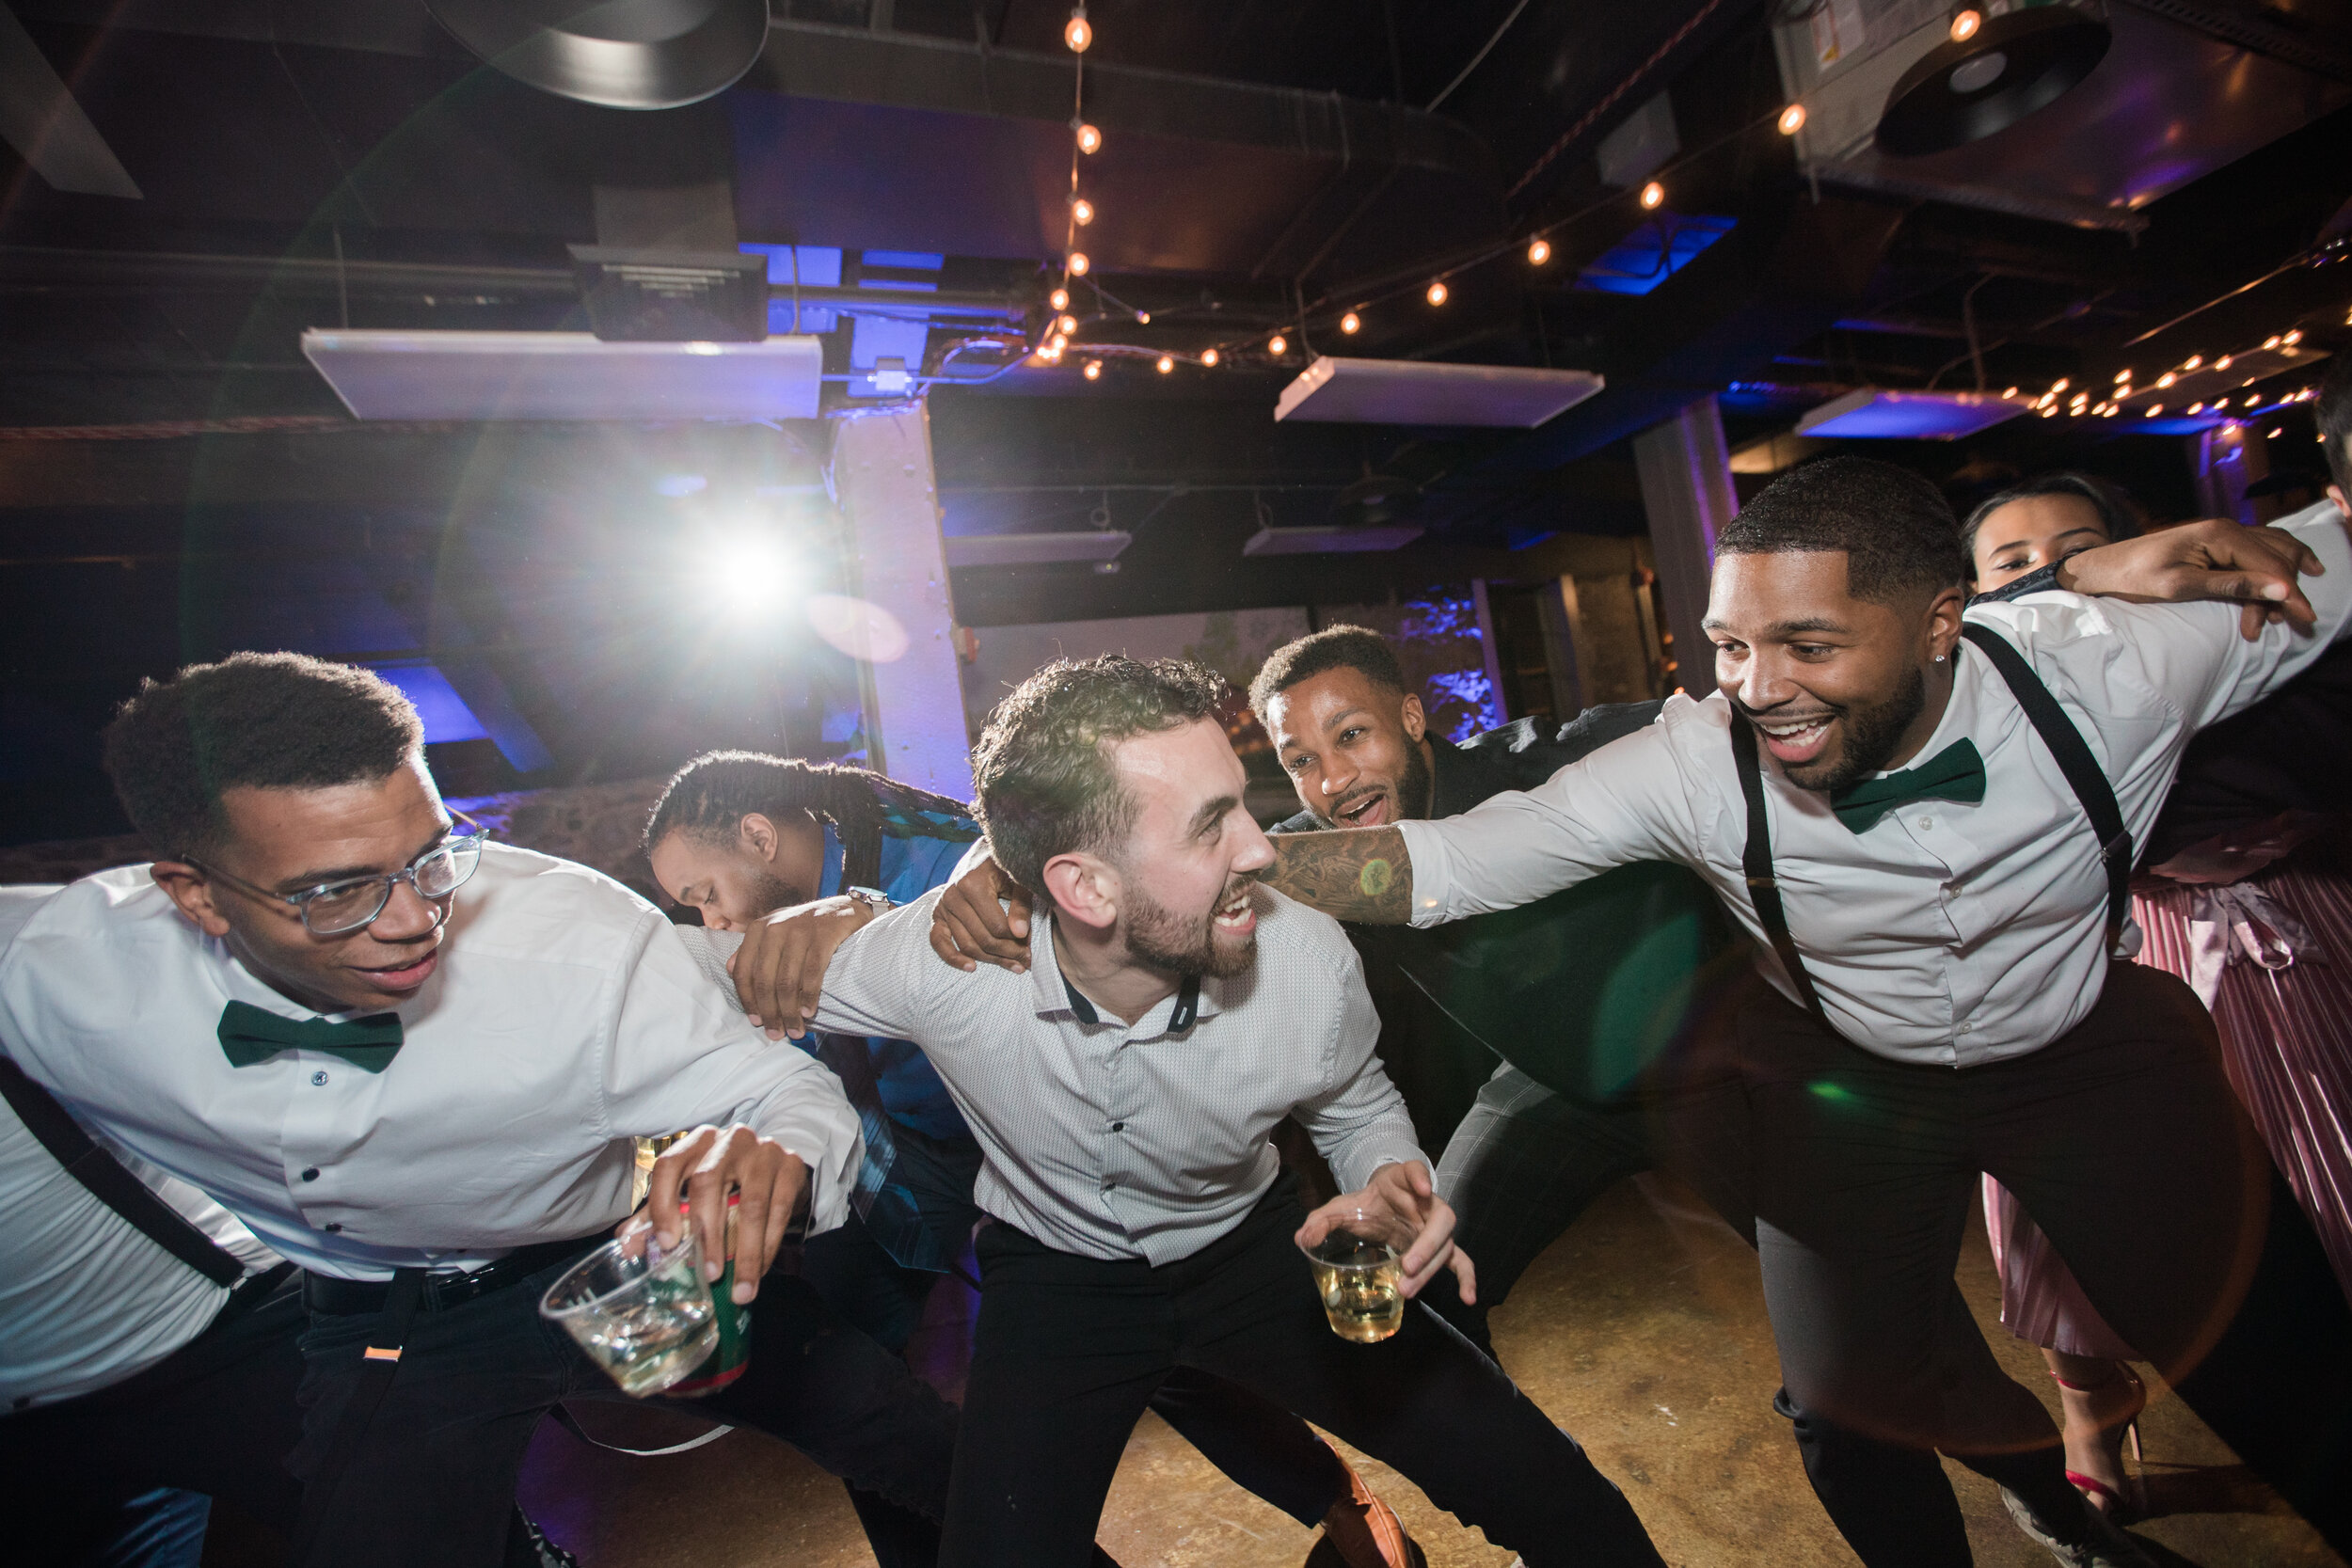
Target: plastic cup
<point>1356,1273</point>
<point>648,1320</point>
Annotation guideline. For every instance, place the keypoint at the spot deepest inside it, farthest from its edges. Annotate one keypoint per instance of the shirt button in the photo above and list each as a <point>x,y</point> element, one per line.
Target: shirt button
<point>319,1079</point>
<point>1926,822</point>
<point>311,1174</point>
<point>1967,1027</point>
<point>1118,1127</point>
<point>333,1229</point>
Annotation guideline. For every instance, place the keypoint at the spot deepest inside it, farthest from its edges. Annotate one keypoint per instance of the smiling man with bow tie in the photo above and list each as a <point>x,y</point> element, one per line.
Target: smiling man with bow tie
<point>414,1064</point>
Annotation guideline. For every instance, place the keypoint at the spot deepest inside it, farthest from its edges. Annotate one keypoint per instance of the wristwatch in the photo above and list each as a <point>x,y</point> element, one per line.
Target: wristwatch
<point>872,898</point>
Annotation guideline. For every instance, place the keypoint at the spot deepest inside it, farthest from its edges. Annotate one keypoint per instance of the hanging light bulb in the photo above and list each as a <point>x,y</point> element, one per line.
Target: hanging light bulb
<point>2155,409</point>
<point>1089,140</point>
<point>2271,342</point>
<point>2060,385</point>
<point>1538,253</point>
<point>1095,369</point>
<point>2223,363</point>
<point>1068,326</point>
<point>1652,193</point>
<point>1277,346</point>
<point>2196,407</point>
<point>2292,338</point>
<point>1058,299</point>
<point>1351,324</point>
<point>1165,364</point>
<point>1792,119</point>
<point>1964,23</point>
<point>1208,357</point>
<point>2010,393</point>
<point>2165,380</point>
<point>1143,318</point>
<point>2192,361</point>
<point>1437,292</point>
<point>1077,263</point>
<point>2122,377</point>
<point>1078,33</point>
<point>1082,212</point>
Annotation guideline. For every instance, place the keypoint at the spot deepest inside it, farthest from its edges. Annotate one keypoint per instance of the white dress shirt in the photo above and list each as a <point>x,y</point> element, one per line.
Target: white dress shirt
<point>1943,933</point>
<point>1121,1141</point>
<point>567,1017</point>
<point>86,1299</point>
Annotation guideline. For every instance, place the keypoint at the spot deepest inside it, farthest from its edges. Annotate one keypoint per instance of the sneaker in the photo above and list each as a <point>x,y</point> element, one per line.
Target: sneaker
<point>2107,1547</point>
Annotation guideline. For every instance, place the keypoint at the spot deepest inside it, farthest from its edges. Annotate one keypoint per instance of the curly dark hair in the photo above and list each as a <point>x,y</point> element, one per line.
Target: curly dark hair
<point>252,721</point>
<point>1342,647</point>
<point>2333,413</point>
<point>1043,775</point>
<point>2115,513</point>
<point>1895,526</point>
<point>709,797</point>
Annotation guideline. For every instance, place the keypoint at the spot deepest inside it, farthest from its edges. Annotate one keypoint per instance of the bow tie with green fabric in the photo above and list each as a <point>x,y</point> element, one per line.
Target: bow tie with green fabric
<point>250,1034</point>
<point>1954,773</point>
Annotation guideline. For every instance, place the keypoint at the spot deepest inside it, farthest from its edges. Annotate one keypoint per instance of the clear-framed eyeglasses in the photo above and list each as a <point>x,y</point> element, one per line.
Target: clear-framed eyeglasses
<point>337,908</point>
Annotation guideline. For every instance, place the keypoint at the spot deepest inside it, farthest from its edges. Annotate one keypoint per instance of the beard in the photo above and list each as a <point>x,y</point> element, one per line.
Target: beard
<point>1872,734</point>
<point>771,892</point>
<point>1184,945</point>
<point>1414,795</point>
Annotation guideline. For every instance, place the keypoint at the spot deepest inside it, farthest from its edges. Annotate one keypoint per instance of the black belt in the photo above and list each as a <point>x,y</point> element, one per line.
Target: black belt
<point>440,1292</point>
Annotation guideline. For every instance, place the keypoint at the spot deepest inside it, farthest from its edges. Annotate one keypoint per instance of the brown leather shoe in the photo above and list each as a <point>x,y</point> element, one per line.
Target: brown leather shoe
<point>1382,1533</point>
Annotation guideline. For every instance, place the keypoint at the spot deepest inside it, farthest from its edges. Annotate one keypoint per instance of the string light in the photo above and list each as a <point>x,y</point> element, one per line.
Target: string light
<point>2271,342</point>
<point>1538,253</point>
<point>2292,338</point>
<point>2060,385</point>
<point>2165,380</point>
<point>2192,361</point>
<point>1058,342</point>
<point>1652,193</point>
<point>1208,357</point>
<point>1058,299</point>
<point>1966,23</point>
<point>1351,324</point>
<point>1067,326</point>
<point>1277,346</point>
<point>2122,377</point>
<point>2010,393</point>
<point>2155,409</point>
<point>1792,119</point>
<point>1083,211</point>
<point>1077,34</point>
<point>2196,407</point>
<point>1078,263</point>
<point>1143,318</point>
<point>2223,363</point>
<point>1164,364</point>
<point>1436,293</point>
<point>1095,369</point>
<point>1089,140</point>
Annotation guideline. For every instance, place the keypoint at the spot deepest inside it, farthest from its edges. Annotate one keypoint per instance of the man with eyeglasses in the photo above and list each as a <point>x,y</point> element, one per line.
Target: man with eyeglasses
<point>428,1101</point>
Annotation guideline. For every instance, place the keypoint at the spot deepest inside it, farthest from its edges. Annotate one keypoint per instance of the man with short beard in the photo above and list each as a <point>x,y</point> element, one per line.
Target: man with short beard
<point>1123,1087</point>
<point>1920,858</point>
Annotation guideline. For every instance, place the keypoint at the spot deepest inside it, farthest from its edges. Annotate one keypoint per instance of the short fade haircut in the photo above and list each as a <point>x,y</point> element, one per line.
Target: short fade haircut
<point>1342,647</point>
<point>1043,777</point>
<point>2115,513</point>
<point>250,721</point>
<point>1894,526</point>
<point>2334,413</point>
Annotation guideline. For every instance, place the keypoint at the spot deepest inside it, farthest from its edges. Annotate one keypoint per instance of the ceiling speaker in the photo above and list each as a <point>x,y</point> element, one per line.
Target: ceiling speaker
<point>2012,65</point>
<point>622,53</point>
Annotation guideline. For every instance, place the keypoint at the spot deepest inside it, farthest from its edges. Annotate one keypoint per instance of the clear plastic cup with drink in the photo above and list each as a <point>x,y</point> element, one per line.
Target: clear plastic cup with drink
<point>1358,1270</point>
<point>644,1315</point>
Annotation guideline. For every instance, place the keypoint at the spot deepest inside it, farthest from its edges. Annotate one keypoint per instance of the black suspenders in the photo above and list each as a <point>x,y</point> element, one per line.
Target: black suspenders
<point>2057,733</point>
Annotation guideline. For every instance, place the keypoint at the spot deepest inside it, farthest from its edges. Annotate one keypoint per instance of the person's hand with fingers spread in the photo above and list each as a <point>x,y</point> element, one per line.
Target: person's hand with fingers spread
<point>780,966</point>
<point>971,925</point>
<point>1403,1189</point>
<point>2209,560</point>
<point>704,1166</point>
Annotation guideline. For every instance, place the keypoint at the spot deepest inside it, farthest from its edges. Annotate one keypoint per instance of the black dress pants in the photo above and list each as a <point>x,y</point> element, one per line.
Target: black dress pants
<point>216,1416</point>
<point>1070,1351</point>
<point>433,1480</point>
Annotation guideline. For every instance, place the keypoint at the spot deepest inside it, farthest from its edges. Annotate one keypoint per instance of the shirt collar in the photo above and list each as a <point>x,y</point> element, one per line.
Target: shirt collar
<point>1050,992</point>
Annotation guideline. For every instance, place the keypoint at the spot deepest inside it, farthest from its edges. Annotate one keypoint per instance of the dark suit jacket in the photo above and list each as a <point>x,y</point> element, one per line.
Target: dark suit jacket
<point>1579,990</point>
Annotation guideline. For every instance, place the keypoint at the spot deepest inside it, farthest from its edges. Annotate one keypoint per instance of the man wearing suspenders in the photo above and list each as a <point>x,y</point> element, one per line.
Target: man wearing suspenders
<point>1930,864</point>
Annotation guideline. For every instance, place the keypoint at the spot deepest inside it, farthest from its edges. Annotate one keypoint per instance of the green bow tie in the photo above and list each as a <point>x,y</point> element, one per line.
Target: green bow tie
<point>250,1034</point>
<point>1954,773</point>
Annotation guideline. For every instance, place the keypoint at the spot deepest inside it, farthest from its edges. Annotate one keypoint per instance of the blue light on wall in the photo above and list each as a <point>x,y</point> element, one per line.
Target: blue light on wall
<point>1874,413</point>
<point>812,266</point>
<point>445,714</point>
<point>1661,246</point>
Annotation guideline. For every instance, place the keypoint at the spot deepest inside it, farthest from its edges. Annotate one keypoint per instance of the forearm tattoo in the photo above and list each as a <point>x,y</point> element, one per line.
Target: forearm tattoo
<point>1359,874</point>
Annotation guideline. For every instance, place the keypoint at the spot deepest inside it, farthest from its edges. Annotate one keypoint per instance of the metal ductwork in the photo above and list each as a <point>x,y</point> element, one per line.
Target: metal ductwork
<point>621,53</point>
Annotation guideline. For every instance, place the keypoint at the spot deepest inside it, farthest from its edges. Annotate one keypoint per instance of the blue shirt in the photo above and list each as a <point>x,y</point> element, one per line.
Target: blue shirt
<point>909,1087</point>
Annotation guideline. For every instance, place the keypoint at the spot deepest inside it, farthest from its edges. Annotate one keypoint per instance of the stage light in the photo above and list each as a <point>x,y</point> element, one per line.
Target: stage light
<point>1277,346</point>
<point>1436,293</point>
<point>1077,34</point>
<point>1792,119</point>
<point>1058,299</point>
<point>1095,369</point>
<point>1082,210</point>
<point>1966,23</point>
<point>1351,324</point>
<point>1538,253</point>
<point>1067,326</point>
<point>1089,140</point>
<point>1208,357</point>
<point>1652,193</point>
<point>746,575</point>
<point>1165,364</point>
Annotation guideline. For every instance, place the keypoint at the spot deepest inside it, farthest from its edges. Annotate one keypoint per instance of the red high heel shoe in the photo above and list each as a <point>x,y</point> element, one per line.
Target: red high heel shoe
<point>2117,1425</point>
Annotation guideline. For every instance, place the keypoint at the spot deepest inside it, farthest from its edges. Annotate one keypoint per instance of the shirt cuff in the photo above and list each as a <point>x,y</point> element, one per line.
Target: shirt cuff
<point>1382,1147</point>
<point>1433,871</point>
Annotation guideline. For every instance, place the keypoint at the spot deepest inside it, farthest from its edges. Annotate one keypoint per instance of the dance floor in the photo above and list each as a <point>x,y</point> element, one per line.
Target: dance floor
<point>1642,1331</point>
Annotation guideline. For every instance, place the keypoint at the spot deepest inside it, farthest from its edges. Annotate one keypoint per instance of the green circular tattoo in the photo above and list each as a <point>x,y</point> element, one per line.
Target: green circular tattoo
<point>1375,877</point>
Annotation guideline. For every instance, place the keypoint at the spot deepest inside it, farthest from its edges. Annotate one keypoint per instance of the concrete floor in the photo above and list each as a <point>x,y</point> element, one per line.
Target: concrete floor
<point>1642,1331</point>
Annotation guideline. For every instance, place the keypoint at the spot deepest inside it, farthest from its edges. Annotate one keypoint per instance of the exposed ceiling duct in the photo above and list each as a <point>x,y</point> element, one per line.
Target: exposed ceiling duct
<point>622,53</point>
<point>2006,68</point>
<point>1414,391</point>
